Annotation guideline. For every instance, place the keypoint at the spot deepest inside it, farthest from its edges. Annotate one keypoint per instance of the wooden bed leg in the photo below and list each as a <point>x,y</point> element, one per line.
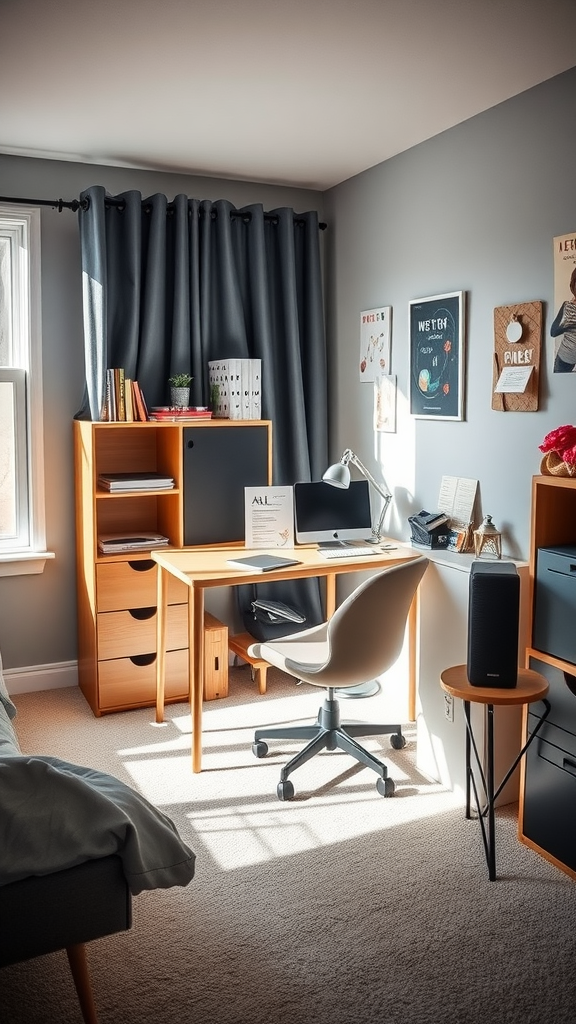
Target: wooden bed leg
<point>79,967</point>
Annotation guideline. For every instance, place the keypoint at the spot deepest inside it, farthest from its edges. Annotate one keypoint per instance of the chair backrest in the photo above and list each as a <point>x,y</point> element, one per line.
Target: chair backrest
<point>366,632</point>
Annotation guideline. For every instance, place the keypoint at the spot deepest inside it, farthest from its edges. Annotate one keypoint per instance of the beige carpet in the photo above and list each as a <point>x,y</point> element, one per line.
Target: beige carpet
<point>340,907</point>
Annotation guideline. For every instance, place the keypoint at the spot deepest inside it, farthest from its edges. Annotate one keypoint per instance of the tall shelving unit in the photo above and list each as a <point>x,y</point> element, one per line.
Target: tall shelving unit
<point>117,593</point>
<point>547,823</point>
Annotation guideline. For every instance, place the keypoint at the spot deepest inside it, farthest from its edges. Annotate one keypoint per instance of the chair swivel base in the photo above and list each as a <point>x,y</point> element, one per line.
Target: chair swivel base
<point>328,733</point>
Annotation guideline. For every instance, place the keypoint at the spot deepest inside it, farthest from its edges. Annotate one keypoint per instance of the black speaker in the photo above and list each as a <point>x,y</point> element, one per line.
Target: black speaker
<point>493,623</point>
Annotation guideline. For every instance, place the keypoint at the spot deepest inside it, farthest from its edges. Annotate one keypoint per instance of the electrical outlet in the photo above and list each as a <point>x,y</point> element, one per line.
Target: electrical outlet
<point>449,707</point>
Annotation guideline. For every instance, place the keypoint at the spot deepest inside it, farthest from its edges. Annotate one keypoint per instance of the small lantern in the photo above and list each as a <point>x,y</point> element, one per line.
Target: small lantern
<point>487,539</point>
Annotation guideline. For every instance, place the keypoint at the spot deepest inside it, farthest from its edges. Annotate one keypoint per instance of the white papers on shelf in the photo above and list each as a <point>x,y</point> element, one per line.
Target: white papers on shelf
<point>109,543</point>
<point>135,481</point>
<point>269,517</point>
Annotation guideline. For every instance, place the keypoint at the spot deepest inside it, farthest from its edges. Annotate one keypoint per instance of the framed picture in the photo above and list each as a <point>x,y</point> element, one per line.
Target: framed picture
<point>375,330</point>
<point>385,404</point>
<point>437,357</point>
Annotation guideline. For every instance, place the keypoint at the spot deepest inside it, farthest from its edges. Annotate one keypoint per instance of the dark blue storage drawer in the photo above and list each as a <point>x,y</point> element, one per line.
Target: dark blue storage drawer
<point>554,628</point>
<point>550,792</point>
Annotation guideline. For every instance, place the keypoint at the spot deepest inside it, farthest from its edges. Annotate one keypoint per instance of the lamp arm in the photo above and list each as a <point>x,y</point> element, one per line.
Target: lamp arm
<point>350,456</point>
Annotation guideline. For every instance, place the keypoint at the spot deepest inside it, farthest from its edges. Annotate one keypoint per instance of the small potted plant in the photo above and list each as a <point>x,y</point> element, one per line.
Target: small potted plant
<point>180,390</point>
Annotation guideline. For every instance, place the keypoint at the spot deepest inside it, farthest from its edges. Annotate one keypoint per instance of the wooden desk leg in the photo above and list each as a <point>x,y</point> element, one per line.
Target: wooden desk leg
<point>161,613</point>
<point>412,648</point>
<point>196,608</point>
<point>330,594</point>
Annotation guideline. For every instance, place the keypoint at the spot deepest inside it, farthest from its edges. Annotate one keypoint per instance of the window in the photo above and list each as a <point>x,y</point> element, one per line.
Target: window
<point>22,523</point>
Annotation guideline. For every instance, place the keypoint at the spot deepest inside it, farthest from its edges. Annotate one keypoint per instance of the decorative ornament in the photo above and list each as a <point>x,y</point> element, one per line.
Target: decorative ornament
<point>487,539</point>
<point>514,329</point>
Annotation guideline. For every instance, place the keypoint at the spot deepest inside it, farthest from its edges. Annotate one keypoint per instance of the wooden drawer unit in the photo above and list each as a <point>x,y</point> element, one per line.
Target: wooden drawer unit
<point>123,634</point>
<point>132,584</point>
<point>215,658</point>
<point>117,594</point>
<point>125,683</point>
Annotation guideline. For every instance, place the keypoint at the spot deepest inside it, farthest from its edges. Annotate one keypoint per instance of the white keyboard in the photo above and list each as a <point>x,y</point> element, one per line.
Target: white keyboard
<point>355,552</point>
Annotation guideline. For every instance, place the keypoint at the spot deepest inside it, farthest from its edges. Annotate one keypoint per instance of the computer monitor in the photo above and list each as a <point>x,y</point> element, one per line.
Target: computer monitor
<point>325,513</point>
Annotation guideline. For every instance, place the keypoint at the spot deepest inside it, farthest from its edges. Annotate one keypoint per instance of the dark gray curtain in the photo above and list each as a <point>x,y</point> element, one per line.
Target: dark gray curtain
<point>169,286</point>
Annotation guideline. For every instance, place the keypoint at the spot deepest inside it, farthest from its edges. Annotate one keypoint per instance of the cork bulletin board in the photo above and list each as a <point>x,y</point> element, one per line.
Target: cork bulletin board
<point>524,319</point>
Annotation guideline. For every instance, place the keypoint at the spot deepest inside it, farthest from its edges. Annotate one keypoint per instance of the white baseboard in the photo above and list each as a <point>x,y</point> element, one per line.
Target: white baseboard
<point>41,677</point>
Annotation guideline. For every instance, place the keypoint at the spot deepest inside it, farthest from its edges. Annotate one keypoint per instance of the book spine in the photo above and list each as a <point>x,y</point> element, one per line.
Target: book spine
<point>120,393</point>
<point>144,404</point>
<point>234,370</point>
<point>137,400</point>
<point>128,400</point>
<point>255,389</point>
<point>111,396</point>
<point>245,388</point>
<point>105,413</point>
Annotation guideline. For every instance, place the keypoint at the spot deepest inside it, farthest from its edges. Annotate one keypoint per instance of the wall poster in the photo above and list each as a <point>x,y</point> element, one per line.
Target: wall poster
<point>437,357</point>
<point>563,328</point>
<point>375,332</point>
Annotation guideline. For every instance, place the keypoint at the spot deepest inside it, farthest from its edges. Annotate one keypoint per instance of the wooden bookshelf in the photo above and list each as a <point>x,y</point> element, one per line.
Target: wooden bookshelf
<point>117,593</point>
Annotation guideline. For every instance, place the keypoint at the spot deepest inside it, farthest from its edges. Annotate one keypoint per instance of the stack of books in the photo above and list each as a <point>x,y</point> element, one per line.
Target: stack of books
<point>109,543</point>
<point>173,414</point>
<point>124,400</point>
<point>115,482</point>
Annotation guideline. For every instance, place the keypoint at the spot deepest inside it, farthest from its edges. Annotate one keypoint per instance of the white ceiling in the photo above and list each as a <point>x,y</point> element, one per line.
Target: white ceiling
<point>296,92</point>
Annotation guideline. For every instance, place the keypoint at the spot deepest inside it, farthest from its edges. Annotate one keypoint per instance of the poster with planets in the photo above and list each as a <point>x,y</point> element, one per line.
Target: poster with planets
<point>437,357</point>
<point>375,331</point>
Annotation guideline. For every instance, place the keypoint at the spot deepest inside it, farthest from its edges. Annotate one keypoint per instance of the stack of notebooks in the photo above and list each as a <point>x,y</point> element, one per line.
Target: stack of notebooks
<point>173,414</point>
<point>115,482</point>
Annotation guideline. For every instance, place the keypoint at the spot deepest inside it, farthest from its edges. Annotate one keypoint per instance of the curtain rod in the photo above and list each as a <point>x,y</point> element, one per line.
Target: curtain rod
<point>83,204</point>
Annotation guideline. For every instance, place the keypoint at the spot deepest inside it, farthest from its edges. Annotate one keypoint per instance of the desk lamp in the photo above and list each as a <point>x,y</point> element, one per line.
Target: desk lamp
<point>339,476</point>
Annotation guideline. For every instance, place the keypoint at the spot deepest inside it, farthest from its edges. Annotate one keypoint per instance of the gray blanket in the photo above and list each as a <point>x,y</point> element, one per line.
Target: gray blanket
<point>54,815</point>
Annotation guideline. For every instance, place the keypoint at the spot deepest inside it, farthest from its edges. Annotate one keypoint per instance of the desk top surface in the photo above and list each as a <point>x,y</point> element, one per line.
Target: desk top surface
<point>207,567</point>
<point>531,686</point>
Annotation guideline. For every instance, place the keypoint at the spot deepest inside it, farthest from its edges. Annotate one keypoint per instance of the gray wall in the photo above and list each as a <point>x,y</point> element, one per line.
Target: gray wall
<point>38,613</point>
<point>473,209</point>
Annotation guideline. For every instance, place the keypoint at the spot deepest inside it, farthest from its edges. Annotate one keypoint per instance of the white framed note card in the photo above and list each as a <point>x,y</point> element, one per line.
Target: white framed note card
<point>269,517</point>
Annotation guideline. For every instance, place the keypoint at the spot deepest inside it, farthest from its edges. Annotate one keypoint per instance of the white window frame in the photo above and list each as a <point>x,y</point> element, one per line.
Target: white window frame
<point>26,552</point>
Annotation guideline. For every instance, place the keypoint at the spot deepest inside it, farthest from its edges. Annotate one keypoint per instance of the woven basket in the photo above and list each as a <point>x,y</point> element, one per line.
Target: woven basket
<point>553,465</point>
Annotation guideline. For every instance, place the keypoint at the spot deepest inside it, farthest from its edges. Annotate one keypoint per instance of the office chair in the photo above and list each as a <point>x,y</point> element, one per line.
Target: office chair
<point>363,638</point>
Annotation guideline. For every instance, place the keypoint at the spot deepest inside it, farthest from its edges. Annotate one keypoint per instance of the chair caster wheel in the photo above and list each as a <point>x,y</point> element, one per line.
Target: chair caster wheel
<point>285,790</point>
<point>259,748</point>
<point>385,787</point>
<point>397,740</point>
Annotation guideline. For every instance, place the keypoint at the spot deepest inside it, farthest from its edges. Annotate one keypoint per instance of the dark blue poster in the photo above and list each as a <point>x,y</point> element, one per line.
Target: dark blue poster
<point>437,357</point>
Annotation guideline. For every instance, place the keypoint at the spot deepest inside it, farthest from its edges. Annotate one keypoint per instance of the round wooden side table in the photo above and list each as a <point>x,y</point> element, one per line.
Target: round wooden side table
<point>530,687</point>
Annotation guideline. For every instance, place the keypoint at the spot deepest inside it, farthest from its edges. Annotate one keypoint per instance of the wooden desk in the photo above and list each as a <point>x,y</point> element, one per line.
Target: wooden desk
<point>203,568</point>
<point>530,687</point>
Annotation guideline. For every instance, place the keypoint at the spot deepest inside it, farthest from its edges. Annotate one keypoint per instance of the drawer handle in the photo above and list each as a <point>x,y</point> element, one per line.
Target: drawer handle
<point>142,613</point>
<point>142,565</point>
<point>143,659</point>
<point>569,765</point>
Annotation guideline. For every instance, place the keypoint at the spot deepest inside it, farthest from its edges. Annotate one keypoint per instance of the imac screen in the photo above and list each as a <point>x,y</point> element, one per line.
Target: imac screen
<point>325,513</point>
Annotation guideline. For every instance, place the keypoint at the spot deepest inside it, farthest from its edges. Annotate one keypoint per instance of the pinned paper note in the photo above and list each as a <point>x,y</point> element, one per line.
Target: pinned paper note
<point>513,380</point>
